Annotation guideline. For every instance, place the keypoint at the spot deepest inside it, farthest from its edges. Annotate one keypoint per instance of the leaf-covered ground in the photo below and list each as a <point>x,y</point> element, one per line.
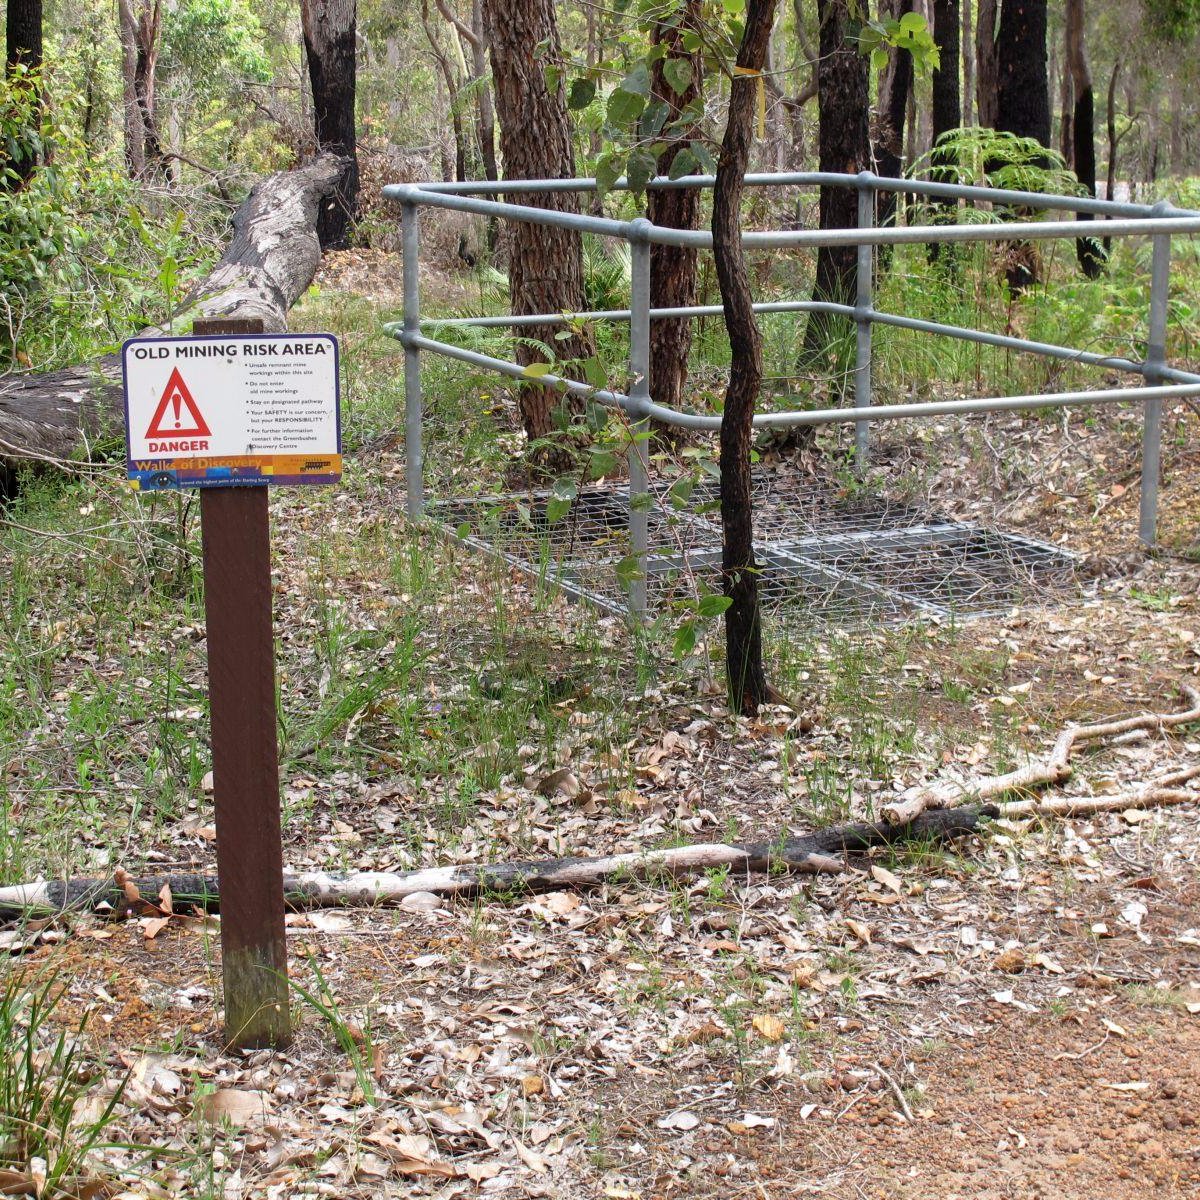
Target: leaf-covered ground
<point>1020,1016</point>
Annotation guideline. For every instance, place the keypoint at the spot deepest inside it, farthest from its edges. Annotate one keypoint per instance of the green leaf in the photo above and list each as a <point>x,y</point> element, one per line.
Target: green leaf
<point>553,77</point>
<point>678,74</point>
<point>609,168</point>
<point>594,372</point>
<point>637,82</point>
<point>556,509</point>
<point>685,639</point>
<point>536,370</point>
<point>912,23</point>
<point>463,531</point>
<point>628,569</point>
<point>641,502</point>
<point>641,170</point>
<point>582,93</point>
<point>713,605</point>
<point>691,41</point>
<point>704,157</point>
<point>684,163</point>
<point>624,107</point>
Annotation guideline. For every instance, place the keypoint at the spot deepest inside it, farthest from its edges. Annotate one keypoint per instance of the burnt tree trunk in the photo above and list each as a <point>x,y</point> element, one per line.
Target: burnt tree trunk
<point>844,143</point>
<point>1088,250</point>
<point>743,625</point>
<point>1110,181</point>
<point>1023,104</point>
<point>895,85</point>
<point>266,267</point>
<point>968,66</point>
<point>986,64</point>
<point>673,268</point>
<point>947,111</point>
<point>1023,89</point>
<point>545,264</point>
<point>23,49</point>
<point>329,35</point>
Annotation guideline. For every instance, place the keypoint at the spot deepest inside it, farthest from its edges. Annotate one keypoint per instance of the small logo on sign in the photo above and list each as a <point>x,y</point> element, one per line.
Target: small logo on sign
<point>177,415</point>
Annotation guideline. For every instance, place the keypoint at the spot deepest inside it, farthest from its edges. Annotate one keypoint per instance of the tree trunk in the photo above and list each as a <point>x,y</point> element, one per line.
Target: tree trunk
<point>947,114</point>
<point>895,85</point>
<point>986,63</point>
<point>1110,182</point>
<point>743,623</point>
<point>1023,104</point>
<point>844,139</point>
<point>1066,103</point>
<point>673,268</point>
<point>23,48</point>
<point>1088,250</point>
<point>546,264</point>
<point>266,267</point>
<point>453,84</point>
<point>1023,92</point>
<point>968,66</point>
<point>135,141</point>
<point>329,44</point>
<point>483,96</point>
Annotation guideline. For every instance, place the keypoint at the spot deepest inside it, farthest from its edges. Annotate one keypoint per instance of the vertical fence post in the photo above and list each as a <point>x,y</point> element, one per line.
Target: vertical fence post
<point>862,318</point>
<point>1156,357</point>
<point>639,371</point>
<point>414,462</point>
<point>235,532</point>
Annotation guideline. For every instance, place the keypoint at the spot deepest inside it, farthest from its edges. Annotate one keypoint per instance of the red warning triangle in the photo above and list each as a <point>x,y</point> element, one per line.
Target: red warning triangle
<point>170,419</point>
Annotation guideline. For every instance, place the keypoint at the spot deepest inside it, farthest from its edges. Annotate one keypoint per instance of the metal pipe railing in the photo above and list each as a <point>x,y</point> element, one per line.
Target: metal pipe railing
<point>1160,221</point>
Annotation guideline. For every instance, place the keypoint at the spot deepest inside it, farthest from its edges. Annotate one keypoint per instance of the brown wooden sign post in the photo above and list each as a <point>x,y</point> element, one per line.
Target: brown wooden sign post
<point>189,422</point>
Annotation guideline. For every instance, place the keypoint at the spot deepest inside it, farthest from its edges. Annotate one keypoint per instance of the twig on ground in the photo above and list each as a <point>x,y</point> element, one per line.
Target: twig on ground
<point>894,1088</point>
<point>1055,769</point>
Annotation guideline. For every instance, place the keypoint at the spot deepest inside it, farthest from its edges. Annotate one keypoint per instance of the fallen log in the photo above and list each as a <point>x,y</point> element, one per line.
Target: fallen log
<point>1053,770</point>
<point>1156,793</point>
<point>814,852</point>
<point>270,261</point>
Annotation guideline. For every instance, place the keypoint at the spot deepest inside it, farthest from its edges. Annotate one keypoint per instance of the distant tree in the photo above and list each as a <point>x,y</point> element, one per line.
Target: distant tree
<point>986,63</point>
<point>545,264</point>
<point>329,45</point>
<point>895,85</point>
<point>140,25</point>
<point>1023,84</point>
<point>1023,105</point>
<point>23,55</point>
<point>947,109</point>
<point>1088,250</point>
<point>843,101</point>
<point>675,84</point>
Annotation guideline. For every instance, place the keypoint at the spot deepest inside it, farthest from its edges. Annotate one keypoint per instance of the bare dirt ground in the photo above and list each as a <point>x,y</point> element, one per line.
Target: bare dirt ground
<point>1017,1017</point>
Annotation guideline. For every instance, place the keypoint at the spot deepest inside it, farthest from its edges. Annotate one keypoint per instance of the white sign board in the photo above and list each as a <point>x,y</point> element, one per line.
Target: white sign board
<point>232,410</point>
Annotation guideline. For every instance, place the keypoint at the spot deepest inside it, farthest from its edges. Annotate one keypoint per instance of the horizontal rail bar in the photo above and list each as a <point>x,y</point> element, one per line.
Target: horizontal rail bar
<point>827,416</point>
<point>945,408</point>
<point>960,332</point>
<point>644,230</point>
<point>883,183</point>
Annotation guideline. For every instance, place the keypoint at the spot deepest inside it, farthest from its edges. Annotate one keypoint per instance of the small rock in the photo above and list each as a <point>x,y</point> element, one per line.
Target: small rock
<point>421,902</point>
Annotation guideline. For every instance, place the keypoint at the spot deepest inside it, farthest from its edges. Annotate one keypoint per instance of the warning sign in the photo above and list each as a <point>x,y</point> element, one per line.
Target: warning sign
<point>174,409</point>
<point>232,410</point>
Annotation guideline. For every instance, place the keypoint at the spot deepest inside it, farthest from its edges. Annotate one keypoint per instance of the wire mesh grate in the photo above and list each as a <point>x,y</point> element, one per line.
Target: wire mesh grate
<point>819,553</point>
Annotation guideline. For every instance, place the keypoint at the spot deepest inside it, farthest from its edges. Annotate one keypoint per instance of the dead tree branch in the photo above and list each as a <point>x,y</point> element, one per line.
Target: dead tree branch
<point>1053,770</point>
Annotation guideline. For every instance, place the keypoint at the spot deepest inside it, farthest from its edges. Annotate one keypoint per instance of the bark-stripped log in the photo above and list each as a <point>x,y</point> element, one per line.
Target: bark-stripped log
<point>813,852</point>
<point>1055,769</point>
<point>265,269</point>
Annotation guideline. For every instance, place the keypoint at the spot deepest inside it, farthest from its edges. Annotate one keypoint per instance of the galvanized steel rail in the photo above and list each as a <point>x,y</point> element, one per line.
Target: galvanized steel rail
<point>1159,221</point>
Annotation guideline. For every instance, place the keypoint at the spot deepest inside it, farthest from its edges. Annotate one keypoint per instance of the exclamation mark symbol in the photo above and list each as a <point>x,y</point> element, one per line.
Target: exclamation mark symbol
<point>176,398</point>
